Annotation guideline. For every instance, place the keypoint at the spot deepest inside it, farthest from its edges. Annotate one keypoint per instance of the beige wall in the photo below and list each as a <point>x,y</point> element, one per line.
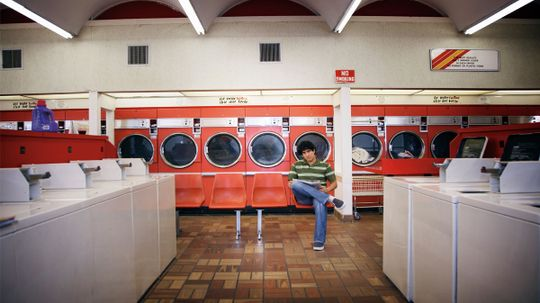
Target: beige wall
<point>388,53</point>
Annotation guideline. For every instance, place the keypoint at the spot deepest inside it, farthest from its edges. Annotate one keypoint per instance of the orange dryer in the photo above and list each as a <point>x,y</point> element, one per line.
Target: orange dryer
<point>444,122</point>
<point>267,144</point>
<point>136,135</point>
<point>406,132</point>
<point>224,144</point>
<point>179,139</point>
<point>367,131</point>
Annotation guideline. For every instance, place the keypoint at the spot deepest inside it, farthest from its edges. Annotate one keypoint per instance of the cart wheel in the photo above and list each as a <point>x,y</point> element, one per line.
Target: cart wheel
<point>357,215</point>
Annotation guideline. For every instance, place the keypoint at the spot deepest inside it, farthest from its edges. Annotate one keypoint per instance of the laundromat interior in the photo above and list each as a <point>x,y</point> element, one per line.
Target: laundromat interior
<point>147,149</point>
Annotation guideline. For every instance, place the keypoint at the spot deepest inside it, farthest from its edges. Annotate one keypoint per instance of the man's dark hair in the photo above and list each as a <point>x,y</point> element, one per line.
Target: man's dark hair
<point>306,145</point>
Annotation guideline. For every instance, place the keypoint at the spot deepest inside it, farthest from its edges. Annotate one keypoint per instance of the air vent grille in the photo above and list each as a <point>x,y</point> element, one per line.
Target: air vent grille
<point>270,52</point>
<point>11,58</point>
<point>138,54</point>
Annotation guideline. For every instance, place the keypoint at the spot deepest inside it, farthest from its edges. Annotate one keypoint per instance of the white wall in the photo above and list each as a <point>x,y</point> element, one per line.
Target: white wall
<point>389,53</point>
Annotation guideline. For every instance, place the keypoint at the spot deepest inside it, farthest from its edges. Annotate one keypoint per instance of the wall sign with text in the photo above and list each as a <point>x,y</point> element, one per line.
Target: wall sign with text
<point>464,60</point>
<point>345,76</point>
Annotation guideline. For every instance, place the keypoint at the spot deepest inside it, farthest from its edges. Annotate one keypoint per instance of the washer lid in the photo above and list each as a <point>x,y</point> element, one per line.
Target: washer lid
<point>366,149</point>
<point>440,145</point>
<point>223,150</point>
<point>179,150</point>
<point>322,146</point>
<point>136,146</point>
<point>267,149</point>
<point>406,145</point>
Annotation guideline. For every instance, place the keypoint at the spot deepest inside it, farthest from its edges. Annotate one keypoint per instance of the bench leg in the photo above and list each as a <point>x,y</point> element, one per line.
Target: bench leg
<point>237,224</point>
<point>259,224</point>
<point>178,228</point>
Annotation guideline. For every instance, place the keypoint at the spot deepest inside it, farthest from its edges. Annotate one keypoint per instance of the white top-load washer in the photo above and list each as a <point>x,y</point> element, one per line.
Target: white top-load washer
<point>499,248</point>
<point>59,238</point>
<point>434,228</point>
<point>397,240</point>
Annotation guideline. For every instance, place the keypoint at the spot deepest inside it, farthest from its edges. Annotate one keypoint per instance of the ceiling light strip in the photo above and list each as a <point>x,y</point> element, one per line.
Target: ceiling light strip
<point>498,15</point>
<point>26,12</point>
<point>347,16</point>
<point>192,16</point>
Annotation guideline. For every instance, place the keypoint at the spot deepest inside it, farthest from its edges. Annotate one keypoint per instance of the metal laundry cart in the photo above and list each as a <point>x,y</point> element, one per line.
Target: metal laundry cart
<point>366,186</point>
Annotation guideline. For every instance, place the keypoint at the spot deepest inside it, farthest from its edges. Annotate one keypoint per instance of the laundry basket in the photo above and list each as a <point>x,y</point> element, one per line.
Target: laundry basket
<point>367,186</point>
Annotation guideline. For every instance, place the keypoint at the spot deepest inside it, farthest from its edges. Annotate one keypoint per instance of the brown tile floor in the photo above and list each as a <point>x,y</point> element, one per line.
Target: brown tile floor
<point>211,266</point>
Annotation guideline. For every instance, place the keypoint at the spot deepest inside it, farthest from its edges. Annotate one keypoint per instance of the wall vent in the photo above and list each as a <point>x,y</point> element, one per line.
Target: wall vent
<point>138,54</point>
<point>269,52</point>
<point>11,58</point>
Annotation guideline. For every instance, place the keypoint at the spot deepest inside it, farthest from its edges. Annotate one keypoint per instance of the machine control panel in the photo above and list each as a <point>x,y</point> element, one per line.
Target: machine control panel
<point>329,126</point>
<point>285,128</point>
<point>153,128</point>
<point>103,127</point>
<point>464,122</point>
<point>423,124</point>
<point>241,127</point>
<point>197,127</point>
<point>485,120</point>
<point>381,126</point>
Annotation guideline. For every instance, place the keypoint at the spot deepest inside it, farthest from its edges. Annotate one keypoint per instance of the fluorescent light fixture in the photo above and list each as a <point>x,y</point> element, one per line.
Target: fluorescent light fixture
<point>453,92</point>
<point>59,96</point>
<point>356,91</point>
<point>192,16</point>
<point>215,93</point>
<point>278,92</point>
<point>23,10</point>
<point>13,97</point>
<point>145,95</point>
<point>515,92</point>
<point>498,15</point>
<point>347,16</point>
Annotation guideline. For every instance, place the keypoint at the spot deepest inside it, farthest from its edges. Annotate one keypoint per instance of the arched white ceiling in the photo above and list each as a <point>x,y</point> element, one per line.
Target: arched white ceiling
<point>72,15</point>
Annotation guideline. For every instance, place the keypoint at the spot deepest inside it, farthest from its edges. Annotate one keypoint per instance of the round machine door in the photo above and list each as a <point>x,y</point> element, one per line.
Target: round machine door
<point>223,150</point>
<point>136,146</point>
<point>322,146</point>
<point>267,149</point>
<point>366,149</point>
<point>178,150</point>
<point>440,145</point>
<point>406,145</point>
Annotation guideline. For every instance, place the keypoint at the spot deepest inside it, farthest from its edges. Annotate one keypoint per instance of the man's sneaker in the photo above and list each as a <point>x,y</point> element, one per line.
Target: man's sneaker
<point>318,247</point>
<point>339,204</point>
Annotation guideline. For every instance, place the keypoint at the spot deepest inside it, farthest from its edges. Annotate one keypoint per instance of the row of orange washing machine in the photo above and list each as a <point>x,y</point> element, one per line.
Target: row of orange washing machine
<point>251,140</point>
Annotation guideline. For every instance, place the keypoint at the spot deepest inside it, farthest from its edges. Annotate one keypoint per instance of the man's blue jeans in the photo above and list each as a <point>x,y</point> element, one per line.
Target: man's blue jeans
<point>309,195</point>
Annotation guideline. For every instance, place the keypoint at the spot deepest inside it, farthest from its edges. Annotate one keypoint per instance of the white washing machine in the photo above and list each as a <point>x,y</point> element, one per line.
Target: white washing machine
<point>397,230</point>
<point>434,229</point>
<point>58,217</point>
<point>499,248</point>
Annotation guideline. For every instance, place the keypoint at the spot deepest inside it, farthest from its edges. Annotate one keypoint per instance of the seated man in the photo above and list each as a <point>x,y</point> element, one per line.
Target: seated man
<point>308,181</point>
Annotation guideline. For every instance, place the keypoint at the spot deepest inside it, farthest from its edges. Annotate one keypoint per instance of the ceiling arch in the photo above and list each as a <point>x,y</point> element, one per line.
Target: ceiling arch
<point>72,15</point>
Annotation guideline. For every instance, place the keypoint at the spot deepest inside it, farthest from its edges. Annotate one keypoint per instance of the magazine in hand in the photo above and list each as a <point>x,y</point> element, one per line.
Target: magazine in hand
<point>315,184</point>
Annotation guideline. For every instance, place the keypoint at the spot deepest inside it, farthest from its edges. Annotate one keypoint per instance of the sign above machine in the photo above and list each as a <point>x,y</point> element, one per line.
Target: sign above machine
<point>345,76</point>
<point>464,60</point>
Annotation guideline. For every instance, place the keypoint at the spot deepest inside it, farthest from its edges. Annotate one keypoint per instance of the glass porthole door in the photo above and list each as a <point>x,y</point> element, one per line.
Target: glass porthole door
<point>179,150</point>
<point>366,149</point>
<point>136,146</point>
<point>267,149</point>
<point>223,150</point>
<point>440,145</point>
<point>322,146</point>
<point>406,145</point>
